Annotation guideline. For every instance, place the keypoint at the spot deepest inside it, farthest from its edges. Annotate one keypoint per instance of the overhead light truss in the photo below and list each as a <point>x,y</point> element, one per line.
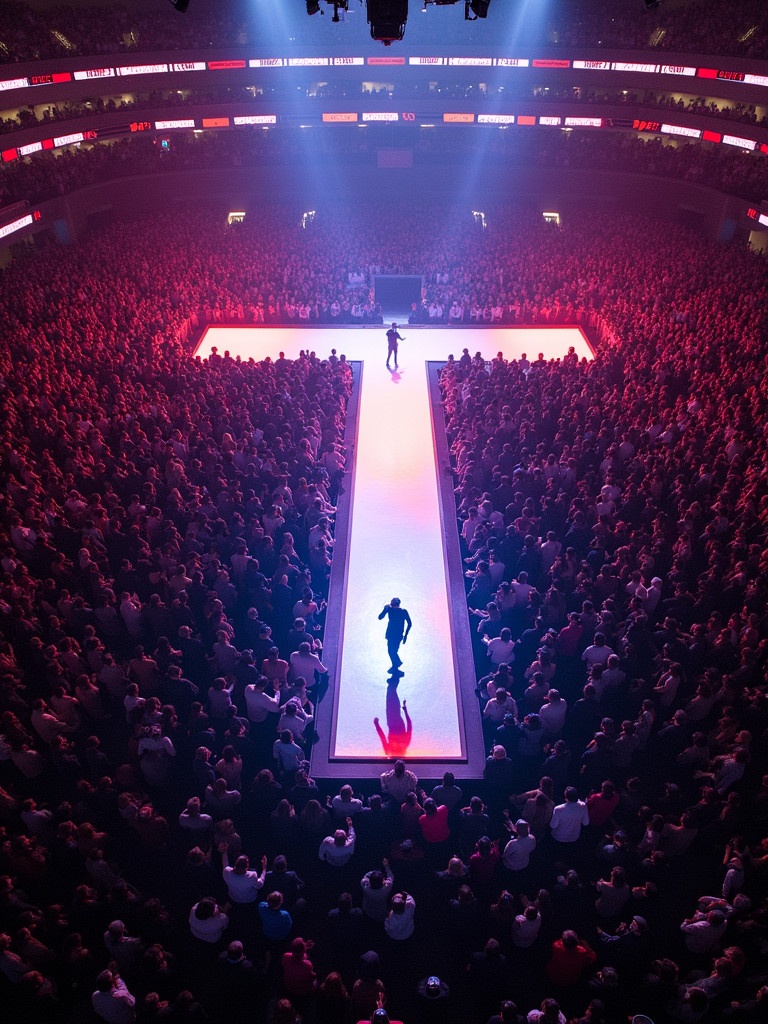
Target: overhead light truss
<point>388,18</point>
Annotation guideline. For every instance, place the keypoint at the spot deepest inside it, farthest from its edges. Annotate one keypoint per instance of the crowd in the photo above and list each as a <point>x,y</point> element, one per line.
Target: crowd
<point>167,540</point>
<point>30,33</point>
<point>695,27</point>
<point>167,529</point>
<point>613,520</point>
<point>29,117</point>
<point>727,168</point>
<point>702,105</point>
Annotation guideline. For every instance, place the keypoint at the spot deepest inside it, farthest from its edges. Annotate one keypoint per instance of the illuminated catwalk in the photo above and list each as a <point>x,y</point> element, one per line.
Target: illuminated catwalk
<point>395,540</point>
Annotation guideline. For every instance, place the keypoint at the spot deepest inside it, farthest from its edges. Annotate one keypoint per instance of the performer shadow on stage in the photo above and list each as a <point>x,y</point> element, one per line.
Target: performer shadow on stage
<point>397,739</point>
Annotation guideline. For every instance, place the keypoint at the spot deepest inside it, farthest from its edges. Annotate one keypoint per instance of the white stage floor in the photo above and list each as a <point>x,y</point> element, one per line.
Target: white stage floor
<point>421,343</point>
<point>396,537</point>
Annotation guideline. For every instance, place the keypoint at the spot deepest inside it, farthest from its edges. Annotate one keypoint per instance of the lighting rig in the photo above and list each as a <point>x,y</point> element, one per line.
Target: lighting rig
<point>473,9</point>
<point>388,18</point>
<point>313,7</point>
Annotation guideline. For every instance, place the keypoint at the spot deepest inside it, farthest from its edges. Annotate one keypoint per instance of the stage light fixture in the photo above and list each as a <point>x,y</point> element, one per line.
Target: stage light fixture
<point>339,5</point>
<point>387,19</point>
<point>651,5</point>
<point>477,7</point>
<point>181,5</point>
<point>313,7</point>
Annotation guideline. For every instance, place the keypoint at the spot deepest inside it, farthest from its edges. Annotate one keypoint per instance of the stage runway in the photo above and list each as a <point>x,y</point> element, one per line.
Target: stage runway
<point>395,538</point>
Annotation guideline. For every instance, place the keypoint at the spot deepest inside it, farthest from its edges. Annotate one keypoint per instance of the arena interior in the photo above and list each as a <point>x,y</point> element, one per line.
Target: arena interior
<point>383,511</point>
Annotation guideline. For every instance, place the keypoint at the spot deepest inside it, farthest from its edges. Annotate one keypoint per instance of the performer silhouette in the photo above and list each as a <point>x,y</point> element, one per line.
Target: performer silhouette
<point>398,628</point>
<point>393,336</point>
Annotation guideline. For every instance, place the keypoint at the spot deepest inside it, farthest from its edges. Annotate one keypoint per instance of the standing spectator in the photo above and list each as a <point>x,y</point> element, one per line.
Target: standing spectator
<point>112,1001</point>
<point>552,714</point>
<point>517,853</point>
<point>448,793</point>
<point>602,805</point>
<point>526,927</point>
<point>288,755</point>
<point>337,849</point>
<point>299,977</point>
<point>433,824</point>
<point>207,921</point>
<point>399,924</point>
<point>569,817</point>
<point>397,783</point>
<point>377,888</point>
<point>704,931</point>
<point>549,1013</point>
<point>570,957</point>
<point>243,884</point>
<point>613,894</point>
<point>123,948</point>
<point>276,922</point>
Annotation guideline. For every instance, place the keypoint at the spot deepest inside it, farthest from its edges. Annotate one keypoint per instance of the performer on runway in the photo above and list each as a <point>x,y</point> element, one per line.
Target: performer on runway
<point>393,336</point>
<point>398,628</point>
